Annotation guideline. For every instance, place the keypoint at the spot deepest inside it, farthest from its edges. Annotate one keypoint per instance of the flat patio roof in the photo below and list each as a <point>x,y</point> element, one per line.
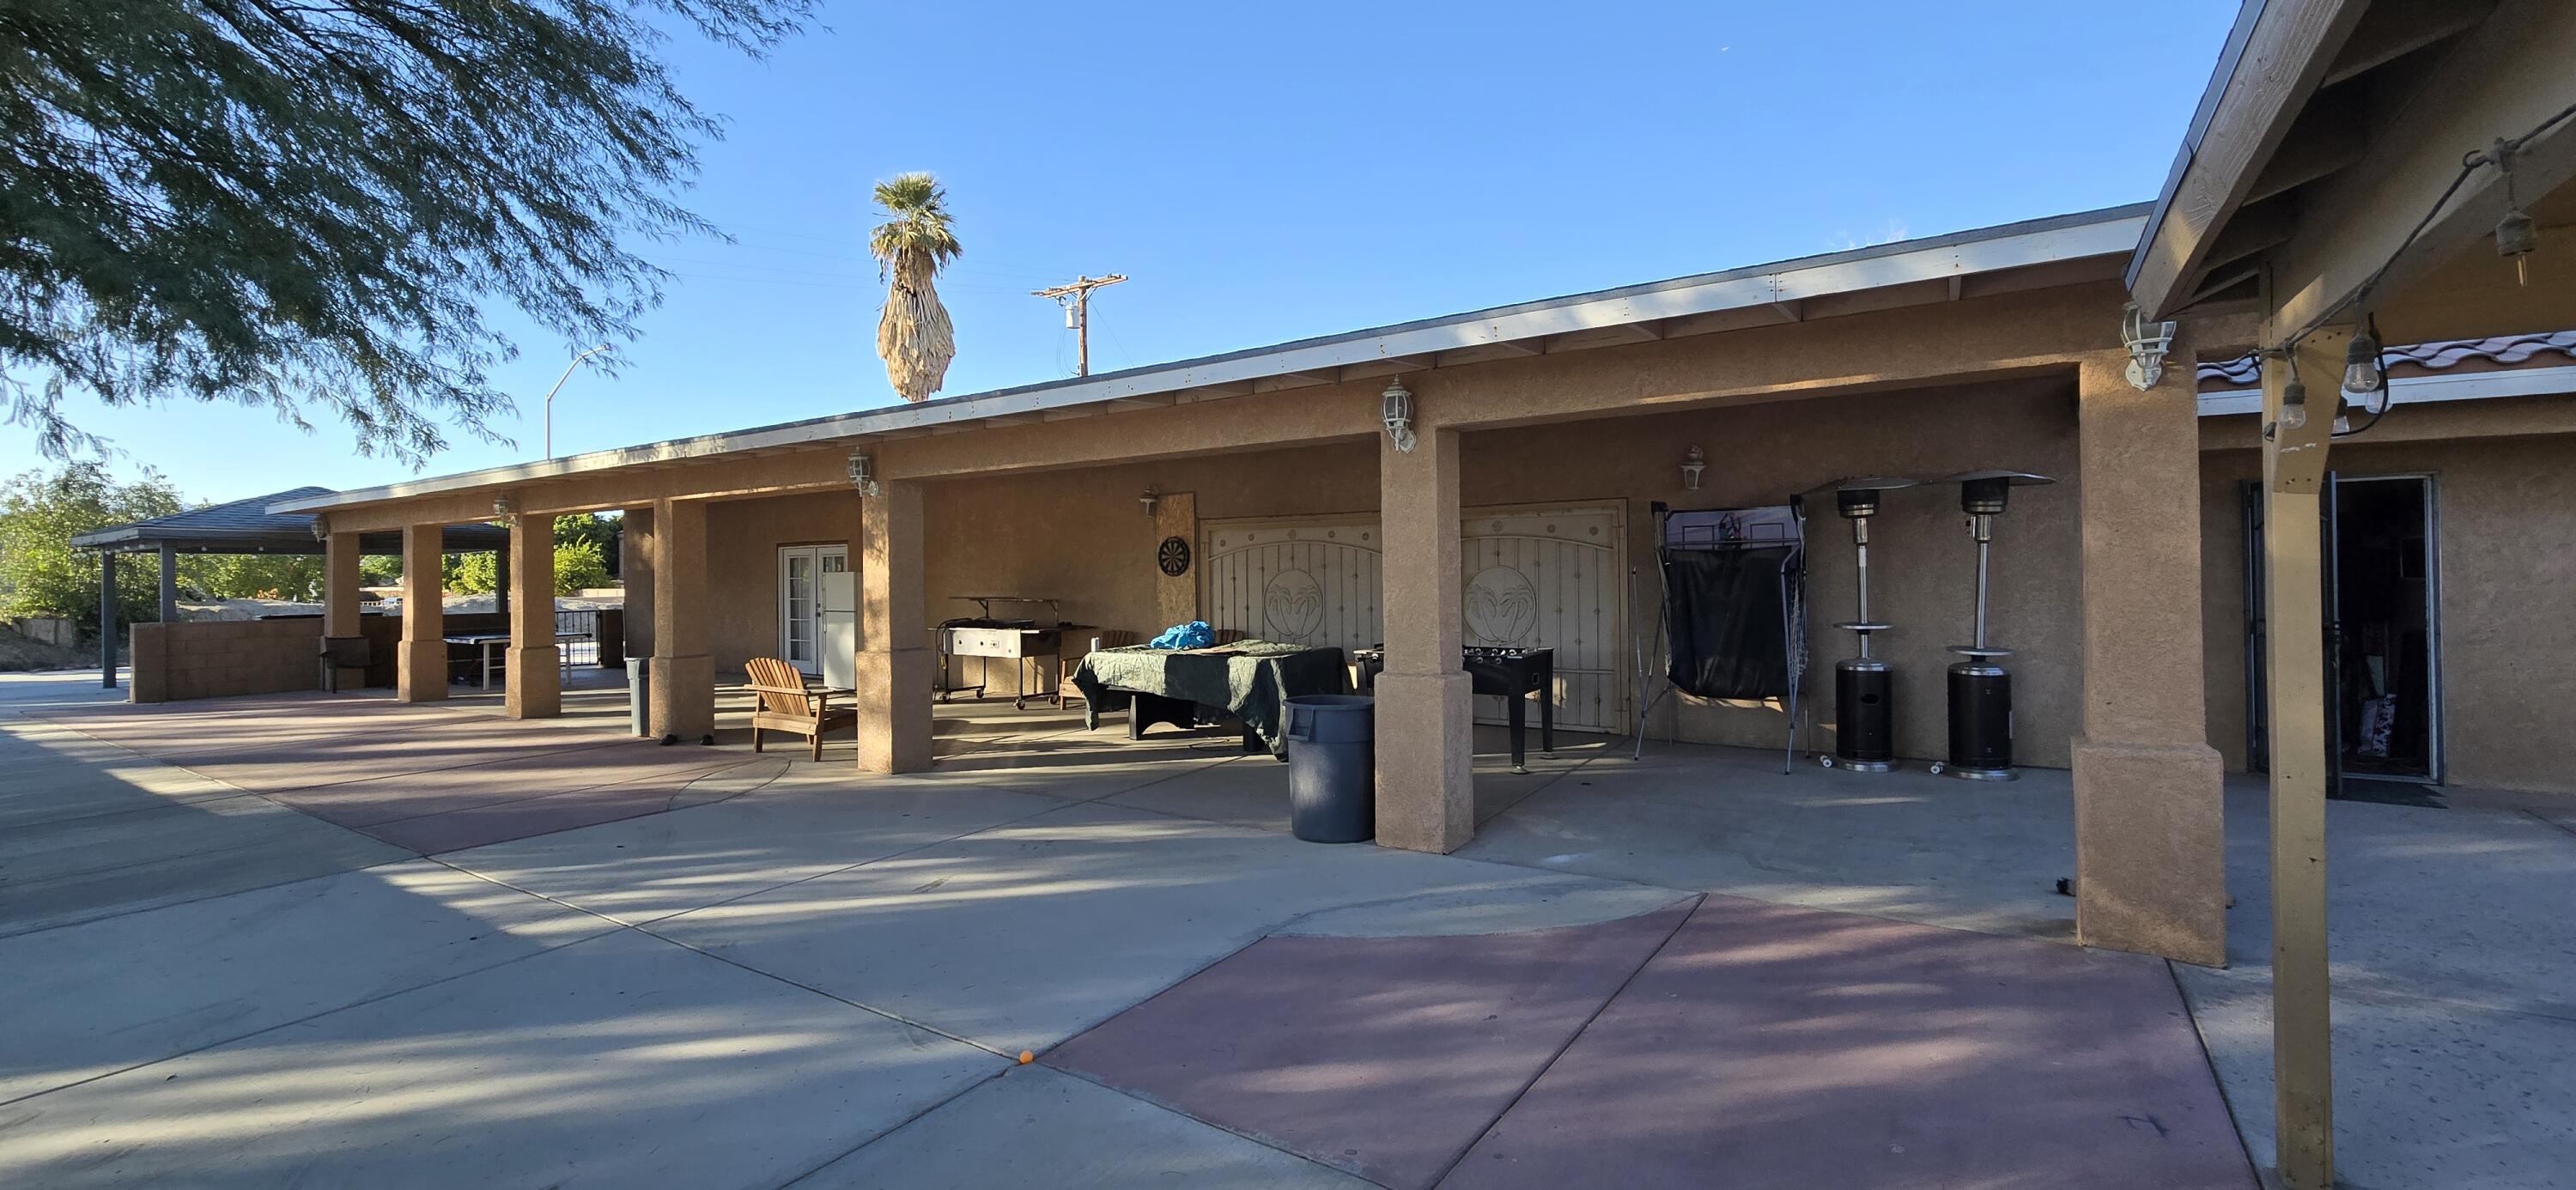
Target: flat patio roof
<point>1943,268</point>
<point>247,526</point>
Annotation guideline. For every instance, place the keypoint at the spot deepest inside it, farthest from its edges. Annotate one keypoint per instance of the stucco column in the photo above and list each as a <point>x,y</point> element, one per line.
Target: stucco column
<point>422,674</point>
<point>1426,792</point>
<point>2150,831</point>
<point>635,571</point>
<point>895,659</point>
<point>684,673</point>
<point>340,580</point>
<point>535,685</point>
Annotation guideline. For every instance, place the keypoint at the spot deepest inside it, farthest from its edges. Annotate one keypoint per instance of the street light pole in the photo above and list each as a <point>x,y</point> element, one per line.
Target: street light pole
<point>559,383</point>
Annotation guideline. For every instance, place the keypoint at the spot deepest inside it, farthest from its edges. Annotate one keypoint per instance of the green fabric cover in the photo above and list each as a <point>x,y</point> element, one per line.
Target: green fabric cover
<point>1252,682</point>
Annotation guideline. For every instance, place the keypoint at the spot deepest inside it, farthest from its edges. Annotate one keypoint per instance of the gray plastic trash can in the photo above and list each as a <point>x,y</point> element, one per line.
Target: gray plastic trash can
<point>639,696</point>
<point>1332,767</point>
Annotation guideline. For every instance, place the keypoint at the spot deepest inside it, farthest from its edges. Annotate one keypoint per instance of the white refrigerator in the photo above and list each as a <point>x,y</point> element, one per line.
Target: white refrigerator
<point>836,628</point>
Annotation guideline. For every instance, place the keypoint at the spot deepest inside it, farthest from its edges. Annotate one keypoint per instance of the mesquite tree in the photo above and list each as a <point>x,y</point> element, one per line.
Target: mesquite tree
<point>311,205</point>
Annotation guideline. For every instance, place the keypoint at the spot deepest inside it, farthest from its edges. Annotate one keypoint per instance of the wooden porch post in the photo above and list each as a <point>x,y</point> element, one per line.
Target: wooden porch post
<point>894,662</point>
<point>535,689</point>
<point>684,672</point>
<point>2150,811</point>
<point>1426,792</point>
<point>422,676</point>
<point>2294,469</point>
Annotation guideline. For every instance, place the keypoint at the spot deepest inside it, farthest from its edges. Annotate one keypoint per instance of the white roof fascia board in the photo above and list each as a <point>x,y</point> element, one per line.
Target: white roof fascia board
<point>2057,240</point>
<point>2421,390</point>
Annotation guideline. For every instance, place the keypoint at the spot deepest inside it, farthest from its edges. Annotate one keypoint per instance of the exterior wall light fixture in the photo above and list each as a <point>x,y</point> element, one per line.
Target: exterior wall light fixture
<point>1399,415</point>
<point>863,473</point>
<point>2148,342</point>
<point>1694,464</point>
<point>503,511</point>
<point>1151,498</point>
<point>321,526</point>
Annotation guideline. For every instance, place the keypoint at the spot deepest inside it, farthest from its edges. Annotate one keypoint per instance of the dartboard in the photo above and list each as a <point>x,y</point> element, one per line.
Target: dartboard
<point>1173,556</point>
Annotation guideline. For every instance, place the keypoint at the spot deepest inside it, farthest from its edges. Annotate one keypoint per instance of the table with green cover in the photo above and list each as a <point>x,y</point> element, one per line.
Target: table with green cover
<point>1251,680</point>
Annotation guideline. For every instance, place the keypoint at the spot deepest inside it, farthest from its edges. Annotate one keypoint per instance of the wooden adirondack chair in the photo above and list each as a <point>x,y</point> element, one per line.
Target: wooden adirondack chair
<point>788,704</point>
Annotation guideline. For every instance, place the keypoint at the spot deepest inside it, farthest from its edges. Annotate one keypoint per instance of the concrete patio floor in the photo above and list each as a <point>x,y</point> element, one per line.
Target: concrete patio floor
<point>810,976</point>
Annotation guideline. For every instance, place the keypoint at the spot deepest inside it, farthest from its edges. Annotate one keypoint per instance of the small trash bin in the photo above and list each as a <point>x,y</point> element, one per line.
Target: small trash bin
<point>639,696</point>
<point>1332,767</point>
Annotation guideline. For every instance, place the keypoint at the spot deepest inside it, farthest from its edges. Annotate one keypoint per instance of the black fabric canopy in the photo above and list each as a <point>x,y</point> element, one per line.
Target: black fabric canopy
<point>1728,620</point>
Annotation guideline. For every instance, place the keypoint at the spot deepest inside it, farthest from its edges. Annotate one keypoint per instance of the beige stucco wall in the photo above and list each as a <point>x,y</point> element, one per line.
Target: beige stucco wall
<point>743,537</point>
<point>1922,563</point>
<point>1080,535</point>
<point>2506,525</point>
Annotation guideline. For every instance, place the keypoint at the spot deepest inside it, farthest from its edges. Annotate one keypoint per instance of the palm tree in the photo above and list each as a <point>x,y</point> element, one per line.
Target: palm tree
<point>911,246</point>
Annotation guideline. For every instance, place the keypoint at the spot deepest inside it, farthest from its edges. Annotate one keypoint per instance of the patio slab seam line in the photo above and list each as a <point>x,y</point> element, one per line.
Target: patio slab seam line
<point>2546,820</point>
<point>1542,787</point>
<point>647,931</point>
<point>615,927</point>
<point>536,797</point>
<point>439,768</point>
<point>408,857</point>
<point>2385,998</point>
<point>1586,1027</point>
<point>1175,1109</point>
<point>209,797</point>
<point>645,927</point>
<point>2235,1120</point>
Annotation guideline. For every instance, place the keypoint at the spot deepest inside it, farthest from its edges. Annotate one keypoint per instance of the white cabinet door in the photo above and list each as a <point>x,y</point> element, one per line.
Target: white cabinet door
<point>1312,581</point>
<point>1553,579</point>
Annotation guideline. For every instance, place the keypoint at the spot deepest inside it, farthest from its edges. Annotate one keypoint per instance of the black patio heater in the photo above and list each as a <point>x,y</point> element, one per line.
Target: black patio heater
<point>1981,727</point>
<point>1864,701</point>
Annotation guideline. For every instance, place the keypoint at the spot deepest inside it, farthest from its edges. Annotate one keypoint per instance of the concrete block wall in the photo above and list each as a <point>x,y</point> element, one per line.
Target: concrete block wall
<point>214,658</point>
<point>220,658</point>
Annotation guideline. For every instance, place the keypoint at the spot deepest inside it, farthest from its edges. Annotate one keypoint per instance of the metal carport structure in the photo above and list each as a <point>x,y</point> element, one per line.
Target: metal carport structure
<point>244,526</point>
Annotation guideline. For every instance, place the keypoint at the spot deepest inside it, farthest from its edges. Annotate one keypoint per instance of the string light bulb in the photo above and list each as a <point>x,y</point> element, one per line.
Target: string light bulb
<point>2516,236</point>
<point>2361,374</point>
<point>2294,395</point>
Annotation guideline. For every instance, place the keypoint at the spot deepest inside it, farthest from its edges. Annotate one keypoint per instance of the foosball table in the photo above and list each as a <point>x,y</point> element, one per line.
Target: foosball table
<point>1510,674</point>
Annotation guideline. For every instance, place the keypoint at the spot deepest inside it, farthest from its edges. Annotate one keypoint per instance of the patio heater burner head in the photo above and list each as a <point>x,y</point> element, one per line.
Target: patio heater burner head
<point>1983,493</point>
<point>1857,498</point>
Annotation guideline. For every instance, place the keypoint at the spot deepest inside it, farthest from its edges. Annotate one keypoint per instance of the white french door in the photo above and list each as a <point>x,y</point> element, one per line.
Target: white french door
<point>801,611</point>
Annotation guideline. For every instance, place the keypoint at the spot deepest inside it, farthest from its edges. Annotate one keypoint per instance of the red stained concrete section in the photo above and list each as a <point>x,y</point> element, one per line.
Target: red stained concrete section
<point>1382,1056</point>
<point>1769,1046</point>
<point>426,778</point>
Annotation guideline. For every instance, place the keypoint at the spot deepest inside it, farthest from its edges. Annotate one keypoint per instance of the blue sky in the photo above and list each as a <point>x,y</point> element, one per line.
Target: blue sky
<point>1266,172</point>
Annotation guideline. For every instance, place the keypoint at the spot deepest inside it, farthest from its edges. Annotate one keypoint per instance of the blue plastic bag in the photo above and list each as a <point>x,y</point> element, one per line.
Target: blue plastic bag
<point>1193,635</point>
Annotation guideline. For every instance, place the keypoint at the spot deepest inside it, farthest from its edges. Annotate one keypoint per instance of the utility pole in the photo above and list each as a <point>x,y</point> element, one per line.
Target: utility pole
<point>1078,312</point>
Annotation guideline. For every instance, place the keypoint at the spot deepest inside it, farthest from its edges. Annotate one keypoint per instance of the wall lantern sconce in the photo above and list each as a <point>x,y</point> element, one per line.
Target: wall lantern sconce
<point>863,474</point>
<point>1694,465</point>
<point>1151,498</point>
<point>321,526</point>
<point>1399,415</point>
<point>2148,342</point>
<point>504,512</point>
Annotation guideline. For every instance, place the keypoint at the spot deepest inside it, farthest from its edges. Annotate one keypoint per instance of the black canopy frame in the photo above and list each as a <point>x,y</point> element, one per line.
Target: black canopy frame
<point>1731,616</point>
